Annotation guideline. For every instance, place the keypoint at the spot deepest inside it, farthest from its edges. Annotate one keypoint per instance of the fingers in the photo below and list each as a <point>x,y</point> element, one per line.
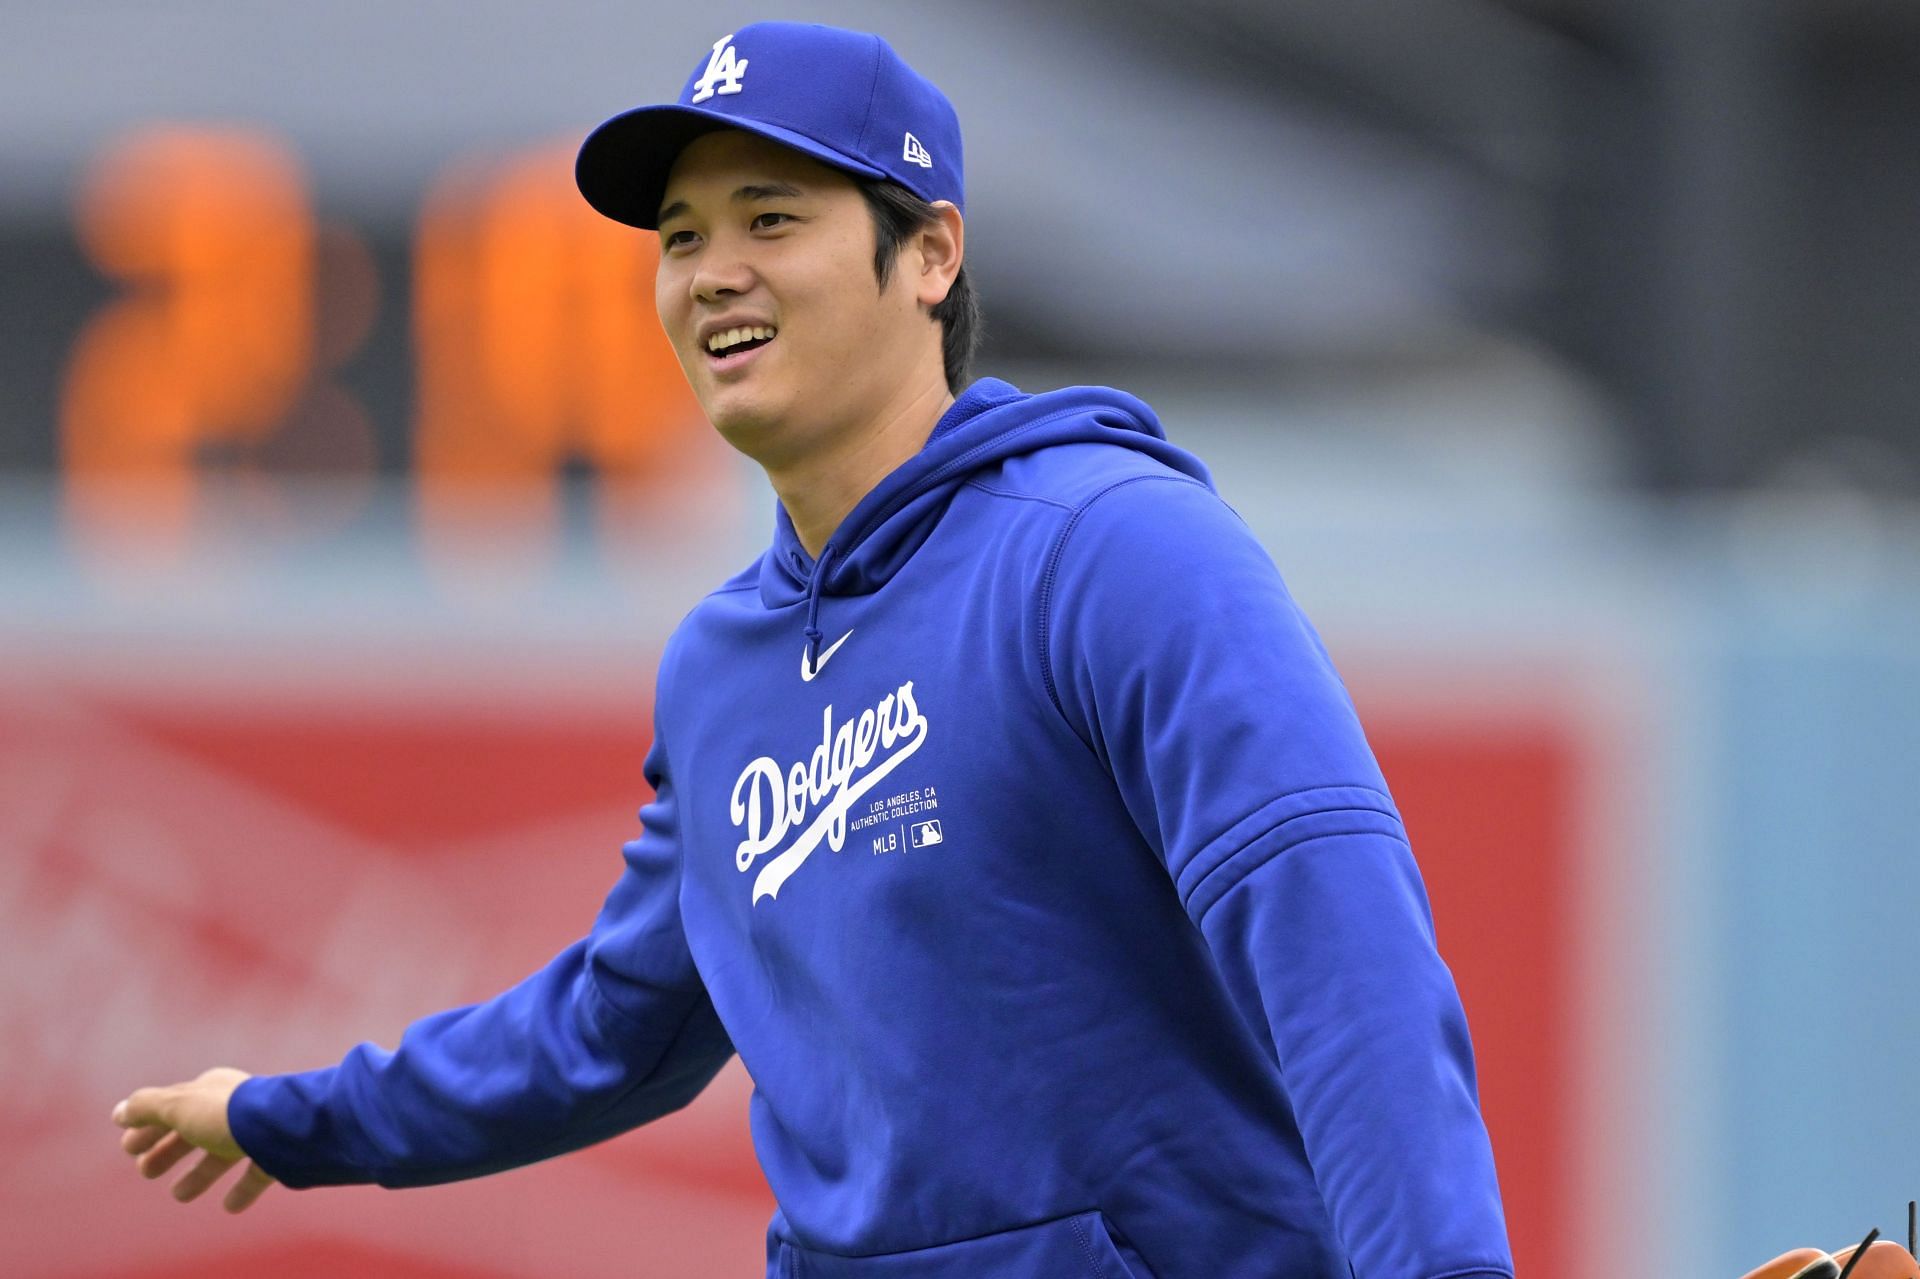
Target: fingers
<point>138,1141</point>
<point>166,1152</point>
<point>142,1106</point>
<point>157,1147</point>
<point>252,1184</point>
<point>157,1120</point>
<point>201,1177</point>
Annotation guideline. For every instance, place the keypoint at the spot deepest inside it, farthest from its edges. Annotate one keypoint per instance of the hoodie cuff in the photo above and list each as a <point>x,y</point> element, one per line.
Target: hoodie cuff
<point>288,1126</point>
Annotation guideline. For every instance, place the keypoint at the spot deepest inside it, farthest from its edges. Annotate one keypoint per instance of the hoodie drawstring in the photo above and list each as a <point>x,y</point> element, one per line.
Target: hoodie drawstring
<point>813,605</point>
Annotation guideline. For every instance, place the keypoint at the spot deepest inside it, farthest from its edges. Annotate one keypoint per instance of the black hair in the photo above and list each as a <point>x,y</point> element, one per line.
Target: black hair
<point>897,214</point>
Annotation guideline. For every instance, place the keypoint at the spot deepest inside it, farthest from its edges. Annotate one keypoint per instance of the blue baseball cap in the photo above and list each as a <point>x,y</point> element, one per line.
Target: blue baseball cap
<point>843,97</point>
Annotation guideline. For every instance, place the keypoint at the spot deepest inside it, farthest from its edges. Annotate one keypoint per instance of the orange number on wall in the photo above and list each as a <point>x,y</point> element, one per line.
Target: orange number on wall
<point>211,233</point>
<point>538,346</point>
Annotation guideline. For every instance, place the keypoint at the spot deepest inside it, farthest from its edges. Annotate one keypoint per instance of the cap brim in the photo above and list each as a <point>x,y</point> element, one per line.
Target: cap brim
<point>623,165</point>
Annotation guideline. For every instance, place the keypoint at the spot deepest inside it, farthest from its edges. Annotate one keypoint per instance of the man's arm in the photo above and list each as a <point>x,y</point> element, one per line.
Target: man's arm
<point>615,1031</point>
<point>1178,656</point>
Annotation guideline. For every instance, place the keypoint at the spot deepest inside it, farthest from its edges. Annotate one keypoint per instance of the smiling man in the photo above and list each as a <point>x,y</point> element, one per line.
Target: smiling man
<point>766,287</point>
<point>1057,906</point>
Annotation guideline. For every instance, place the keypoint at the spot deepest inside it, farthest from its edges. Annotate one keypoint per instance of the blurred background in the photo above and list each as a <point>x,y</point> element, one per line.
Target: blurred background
<point>1562,352</point>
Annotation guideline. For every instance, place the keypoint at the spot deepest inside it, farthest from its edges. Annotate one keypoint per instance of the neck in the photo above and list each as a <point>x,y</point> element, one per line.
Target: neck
<point>818,490</point>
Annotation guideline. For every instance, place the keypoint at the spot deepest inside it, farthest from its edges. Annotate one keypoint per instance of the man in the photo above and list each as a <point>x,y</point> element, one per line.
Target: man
<point>1010,821</point>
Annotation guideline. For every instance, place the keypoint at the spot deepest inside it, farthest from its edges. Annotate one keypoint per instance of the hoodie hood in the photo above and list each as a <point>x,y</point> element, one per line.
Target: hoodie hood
<point>990,421</point>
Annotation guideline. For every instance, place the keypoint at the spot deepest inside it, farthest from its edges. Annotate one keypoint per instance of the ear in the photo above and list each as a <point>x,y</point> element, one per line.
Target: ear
<point>941,246</point>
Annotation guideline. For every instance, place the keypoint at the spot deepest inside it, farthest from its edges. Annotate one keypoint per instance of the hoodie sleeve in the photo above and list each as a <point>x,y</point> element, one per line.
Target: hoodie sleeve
<point>1175,652</point>
<point>615,1031</point>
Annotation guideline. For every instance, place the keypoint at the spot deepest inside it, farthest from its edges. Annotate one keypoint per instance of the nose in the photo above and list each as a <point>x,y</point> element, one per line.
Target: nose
<point>721,271</point>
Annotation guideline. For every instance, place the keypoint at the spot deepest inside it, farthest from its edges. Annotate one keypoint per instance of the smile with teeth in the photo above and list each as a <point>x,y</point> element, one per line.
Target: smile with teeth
<point>733,341</point>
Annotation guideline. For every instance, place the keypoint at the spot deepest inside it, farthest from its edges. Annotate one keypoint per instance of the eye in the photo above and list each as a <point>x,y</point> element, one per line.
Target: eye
<point>674,239</point>
<point>787,216</point>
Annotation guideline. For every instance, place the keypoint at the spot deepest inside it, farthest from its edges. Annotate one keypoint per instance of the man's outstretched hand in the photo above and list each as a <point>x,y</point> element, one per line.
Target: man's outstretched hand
<point>165,1125</point>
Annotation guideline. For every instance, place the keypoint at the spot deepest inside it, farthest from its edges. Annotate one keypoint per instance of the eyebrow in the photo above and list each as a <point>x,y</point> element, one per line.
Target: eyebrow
<point>746,194</point>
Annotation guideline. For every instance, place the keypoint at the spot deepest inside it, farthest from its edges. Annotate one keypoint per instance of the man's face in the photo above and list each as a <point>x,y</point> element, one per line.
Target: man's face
<point>759,234</point>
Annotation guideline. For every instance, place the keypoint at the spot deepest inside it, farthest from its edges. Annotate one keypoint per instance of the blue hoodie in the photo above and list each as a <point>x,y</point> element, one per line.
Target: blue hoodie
<point>1027,849</point>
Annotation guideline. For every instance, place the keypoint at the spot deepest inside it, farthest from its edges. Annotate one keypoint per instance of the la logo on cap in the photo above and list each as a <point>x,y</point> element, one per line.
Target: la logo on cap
<point>724,71</point>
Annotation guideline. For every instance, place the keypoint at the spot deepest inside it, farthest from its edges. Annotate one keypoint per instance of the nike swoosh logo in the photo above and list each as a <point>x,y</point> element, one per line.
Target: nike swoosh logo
<point>825,653</point>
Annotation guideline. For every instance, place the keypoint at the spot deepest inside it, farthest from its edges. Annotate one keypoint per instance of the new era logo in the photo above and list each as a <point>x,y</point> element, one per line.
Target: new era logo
<point>917,154</point>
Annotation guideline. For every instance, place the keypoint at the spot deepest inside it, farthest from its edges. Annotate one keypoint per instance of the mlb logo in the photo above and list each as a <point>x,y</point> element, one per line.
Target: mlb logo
<point>925,833</point>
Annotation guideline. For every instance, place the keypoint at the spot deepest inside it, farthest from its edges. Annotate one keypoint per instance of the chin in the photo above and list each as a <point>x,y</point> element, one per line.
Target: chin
<point>749,423</point>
